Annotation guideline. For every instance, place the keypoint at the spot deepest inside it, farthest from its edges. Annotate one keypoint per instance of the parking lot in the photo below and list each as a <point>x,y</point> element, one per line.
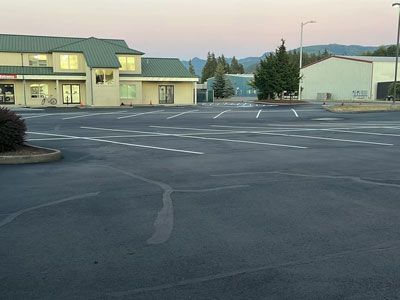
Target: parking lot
<point>211,201</point>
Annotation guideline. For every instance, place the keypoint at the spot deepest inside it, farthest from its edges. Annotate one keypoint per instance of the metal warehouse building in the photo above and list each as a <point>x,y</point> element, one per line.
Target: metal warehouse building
<point>348,77</point>
<point>240,82</point>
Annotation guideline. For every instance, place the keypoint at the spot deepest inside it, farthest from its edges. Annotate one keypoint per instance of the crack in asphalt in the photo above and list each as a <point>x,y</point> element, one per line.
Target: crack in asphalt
<point>376,248</point>
<point>11,217</point>
<point>353,178</point>
<point>164,223</point>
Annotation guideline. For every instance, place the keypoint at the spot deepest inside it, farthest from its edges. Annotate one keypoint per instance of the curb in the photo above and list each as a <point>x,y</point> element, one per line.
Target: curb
<point>54,155</point>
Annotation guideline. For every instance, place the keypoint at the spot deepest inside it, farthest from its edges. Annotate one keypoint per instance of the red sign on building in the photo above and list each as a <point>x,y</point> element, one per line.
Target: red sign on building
<point>8,76</point>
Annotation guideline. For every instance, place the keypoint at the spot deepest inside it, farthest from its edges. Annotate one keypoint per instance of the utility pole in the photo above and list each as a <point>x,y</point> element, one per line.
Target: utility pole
<point>301,53</point>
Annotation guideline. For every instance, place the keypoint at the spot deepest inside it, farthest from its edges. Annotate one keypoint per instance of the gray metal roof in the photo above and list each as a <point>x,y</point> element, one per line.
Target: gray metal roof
<point>370,58</point>
<point>17,70</point>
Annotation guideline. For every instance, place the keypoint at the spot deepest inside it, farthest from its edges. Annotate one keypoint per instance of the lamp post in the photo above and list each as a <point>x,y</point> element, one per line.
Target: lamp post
<point>397,56</point>
<point>301,53</point>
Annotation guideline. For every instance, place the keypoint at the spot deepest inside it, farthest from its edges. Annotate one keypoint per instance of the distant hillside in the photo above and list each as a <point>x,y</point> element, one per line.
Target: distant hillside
<point>250,63</point>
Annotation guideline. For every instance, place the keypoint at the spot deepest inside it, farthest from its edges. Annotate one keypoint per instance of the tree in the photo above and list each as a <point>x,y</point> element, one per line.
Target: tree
<point>219,83</point>
<point>221,60</point>
<point>383,51</point>
<point>191,69</point>
<point>276,74</point>
<point>236,67</point>
<point>391,91</point>
<point>209,68</point>
<point>229,91</point>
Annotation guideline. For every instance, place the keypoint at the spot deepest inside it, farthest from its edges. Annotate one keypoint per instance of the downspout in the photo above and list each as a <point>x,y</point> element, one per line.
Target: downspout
<point>91,86</point>
<point>23,78</point>
<point>372,83</point>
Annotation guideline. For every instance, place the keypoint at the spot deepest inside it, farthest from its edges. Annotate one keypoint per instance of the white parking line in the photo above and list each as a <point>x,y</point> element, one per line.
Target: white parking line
<point>322,138</point>
<point>140,114</point>
<point>95,114</point>
<point>259,112</point>
<point>188,128</point>
<point>182,113</point>
<point>38,116</point>
<point>295,113</point>
<point>361,132</point>
<point>220,114</point>
<point>198,137</point>
<point>118,143</point>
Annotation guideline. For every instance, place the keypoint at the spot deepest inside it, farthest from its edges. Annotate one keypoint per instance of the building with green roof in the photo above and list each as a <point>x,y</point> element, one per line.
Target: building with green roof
<point>64,71</point>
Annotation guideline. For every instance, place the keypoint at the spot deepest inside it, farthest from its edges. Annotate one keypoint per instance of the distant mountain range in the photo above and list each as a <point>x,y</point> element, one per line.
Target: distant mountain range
<point>250,63</point>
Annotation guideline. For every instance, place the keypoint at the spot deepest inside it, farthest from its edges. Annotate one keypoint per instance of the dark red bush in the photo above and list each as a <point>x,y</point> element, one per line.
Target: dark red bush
<point>12,130</point>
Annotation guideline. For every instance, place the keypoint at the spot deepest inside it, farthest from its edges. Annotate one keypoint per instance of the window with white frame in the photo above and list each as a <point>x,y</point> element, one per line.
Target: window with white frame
<point>127,63</point>
<point>39,91</point>
<point>104,77</point>
<point>69,62</point>
<point>127,91</point>
<point>38,60</point>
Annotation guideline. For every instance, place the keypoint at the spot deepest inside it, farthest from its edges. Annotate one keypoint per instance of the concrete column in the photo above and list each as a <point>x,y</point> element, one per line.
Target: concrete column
<point>58,91</point>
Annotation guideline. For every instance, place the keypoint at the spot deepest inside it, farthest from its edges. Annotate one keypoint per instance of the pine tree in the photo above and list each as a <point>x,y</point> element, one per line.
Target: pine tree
<point>236,67</point>
<point>209,68</point>
<point>219,83</point>
<point>191,69</point>
<point>229,91</point>
<point>276,74</point>
<point>221,60</point>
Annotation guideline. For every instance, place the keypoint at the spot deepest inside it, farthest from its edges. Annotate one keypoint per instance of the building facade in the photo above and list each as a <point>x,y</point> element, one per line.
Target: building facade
<point>59,71</point>
<point>348,78</point>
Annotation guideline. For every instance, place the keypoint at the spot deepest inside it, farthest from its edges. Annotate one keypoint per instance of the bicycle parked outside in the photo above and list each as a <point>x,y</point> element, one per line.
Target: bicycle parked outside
<point>50,100</point>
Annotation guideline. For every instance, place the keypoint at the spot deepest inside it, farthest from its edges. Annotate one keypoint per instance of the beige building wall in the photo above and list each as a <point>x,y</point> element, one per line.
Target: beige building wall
<point>337,76</point>
<point>81,63</point>
<point>183,92</point>
<point>106,95</point>
<point>10,59</point>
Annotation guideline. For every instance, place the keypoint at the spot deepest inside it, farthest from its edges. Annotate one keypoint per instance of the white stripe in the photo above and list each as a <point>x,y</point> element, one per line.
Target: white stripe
<point>118,143</point>
<point>38,116</point>
<point>259,112</point>
<point>295,113</point>
<point>217,116</point>
<point>323,138</point>
<point>188,128</point>
<point>361,132</point>
<point>183,113</point>
<point>198,137</point>
<point>140,114</point>
<point>95,114</point>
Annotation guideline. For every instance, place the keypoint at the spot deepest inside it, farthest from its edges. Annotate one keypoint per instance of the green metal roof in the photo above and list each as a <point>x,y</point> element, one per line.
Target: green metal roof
<point>34,71</point>
<point>162,67</point>
<point>99,53</point>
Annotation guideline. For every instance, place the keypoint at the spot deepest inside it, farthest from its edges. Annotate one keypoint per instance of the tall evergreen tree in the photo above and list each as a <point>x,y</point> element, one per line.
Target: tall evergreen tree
<point>221,60</point>
<point>191,69</point>
<point>276,74</point>
<point>236,67</point>
<point>209,68</point>
<point>219,83</point>
<point>229,90</point>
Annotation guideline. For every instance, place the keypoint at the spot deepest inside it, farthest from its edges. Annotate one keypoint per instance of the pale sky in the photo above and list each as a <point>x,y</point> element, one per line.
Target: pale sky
<point>185,28</point>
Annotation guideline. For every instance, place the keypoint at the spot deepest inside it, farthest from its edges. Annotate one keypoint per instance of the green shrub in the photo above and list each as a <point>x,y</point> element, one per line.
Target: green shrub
<point>12,130</point>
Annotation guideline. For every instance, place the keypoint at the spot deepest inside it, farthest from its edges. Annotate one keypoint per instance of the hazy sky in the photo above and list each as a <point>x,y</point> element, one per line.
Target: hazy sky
<point>185,28</point>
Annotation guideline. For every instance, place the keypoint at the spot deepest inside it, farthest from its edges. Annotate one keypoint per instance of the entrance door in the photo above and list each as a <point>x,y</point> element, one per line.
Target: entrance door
<point>166,94</point>
<point>71,94</point>
<point>7,95</point>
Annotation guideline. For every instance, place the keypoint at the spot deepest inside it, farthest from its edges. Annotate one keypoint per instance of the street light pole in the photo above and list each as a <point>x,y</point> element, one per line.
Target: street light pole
<point>301,53</point>
<point>397,56</point>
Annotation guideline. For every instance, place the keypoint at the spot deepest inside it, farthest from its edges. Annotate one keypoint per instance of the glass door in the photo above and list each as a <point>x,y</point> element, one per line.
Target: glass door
<point>71,94</point>
<point>166,94</point>
<point>7,95</point>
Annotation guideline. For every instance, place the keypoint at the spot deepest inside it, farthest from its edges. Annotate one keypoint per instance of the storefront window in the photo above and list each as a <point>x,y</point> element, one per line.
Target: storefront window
<point>7,95</point>
<point>127,91</point>
<point>39,91</point>
<point>104,77</point>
